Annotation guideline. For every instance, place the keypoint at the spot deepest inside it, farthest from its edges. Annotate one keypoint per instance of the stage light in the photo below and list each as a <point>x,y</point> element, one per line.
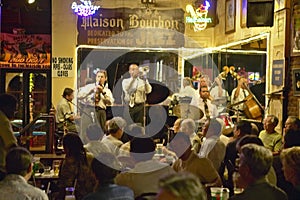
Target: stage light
<point>31,1</point>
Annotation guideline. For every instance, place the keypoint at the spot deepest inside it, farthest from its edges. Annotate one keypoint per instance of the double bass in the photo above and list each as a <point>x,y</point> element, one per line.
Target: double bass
<point>252,107</point>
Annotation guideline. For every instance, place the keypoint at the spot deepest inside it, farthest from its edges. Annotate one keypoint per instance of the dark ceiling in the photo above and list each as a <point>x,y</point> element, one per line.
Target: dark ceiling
<point>34,18</point>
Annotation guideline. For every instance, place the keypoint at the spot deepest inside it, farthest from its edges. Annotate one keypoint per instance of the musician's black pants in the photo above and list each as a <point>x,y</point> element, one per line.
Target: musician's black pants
<point>137,113</point>
<point>101,116</point>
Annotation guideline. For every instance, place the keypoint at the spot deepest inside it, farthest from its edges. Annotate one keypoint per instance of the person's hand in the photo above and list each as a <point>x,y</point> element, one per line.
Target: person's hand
<point>99,88</point>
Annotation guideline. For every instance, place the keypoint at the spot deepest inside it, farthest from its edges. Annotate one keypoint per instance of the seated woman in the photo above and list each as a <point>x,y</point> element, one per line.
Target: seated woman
<point>76,168</point>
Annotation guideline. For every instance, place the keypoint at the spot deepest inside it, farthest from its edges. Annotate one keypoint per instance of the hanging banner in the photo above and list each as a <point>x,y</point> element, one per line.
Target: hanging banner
<point>121,27</point>
<point>25,51</point>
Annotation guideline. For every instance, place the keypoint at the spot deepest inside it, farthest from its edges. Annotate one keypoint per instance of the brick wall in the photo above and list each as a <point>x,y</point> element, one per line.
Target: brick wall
<point>293,108</point>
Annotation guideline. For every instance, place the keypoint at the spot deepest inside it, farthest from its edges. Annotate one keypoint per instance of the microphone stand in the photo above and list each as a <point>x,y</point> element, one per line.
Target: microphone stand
<point>144,110</point>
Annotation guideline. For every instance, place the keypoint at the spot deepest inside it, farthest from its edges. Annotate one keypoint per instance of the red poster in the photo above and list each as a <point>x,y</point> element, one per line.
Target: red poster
<point>25,51</point>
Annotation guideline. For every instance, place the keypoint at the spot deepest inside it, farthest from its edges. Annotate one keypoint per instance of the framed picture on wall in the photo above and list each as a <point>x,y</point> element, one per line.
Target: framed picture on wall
<point>243,13</point>
<point>296,82</point>
<point>230,16</point>
<point>295,40</point>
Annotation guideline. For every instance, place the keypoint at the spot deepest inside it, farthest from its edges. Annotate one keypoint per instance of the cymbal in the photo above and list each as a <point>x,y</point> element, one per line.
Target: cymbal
<point>187,111</point>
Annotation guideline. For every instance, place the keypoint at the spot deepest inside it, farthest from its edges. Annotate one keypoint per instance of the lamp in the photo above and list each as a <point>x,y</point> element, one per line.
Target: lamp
<point>30,1</point>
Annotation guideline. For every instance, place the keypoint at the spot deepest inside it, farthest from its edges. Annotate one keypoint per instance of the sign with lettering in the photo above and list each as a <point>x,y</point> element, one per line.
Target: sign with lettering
<point>277,72</point>
<point>21,51</point>
<point>62,67</point>
<point>86,8</point>
<point>198,17</point>
<point>120,27</point>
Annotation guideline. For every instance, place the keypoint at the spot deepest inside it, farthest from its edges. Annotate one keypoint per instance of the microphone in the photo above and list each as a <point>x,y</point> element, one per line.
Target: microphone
<point>93,117</point>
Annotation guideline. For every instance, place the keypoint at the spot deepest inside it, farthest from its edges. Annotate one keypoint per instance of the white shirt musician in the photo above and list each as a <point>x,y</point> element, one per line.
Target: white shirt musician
<point>219,95</point>
<point>239,94</point>
<point>209,109</point>
<point>96,97</point>
<point>188,90</point>
<point>135,90</point>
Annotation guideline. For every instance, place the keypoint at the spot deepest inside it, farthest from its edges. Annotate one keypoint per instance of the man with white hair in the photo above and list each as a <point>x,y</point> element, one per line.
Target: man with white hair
<point>188,126</point>
<point>254,163</point>
<point>212,147</point>
<point>115,129</point>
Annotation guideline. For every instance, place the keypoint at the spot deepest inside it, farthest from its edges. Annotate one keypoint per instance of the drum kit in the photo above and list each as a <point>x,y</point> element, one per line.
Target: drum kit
<point>181,109</point>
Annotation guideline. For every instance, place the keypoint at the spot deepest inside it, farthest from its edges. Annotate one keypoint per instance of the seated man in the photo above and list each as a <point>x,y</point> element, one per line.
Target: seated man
<point>270,137</point>
<point>190,189</point>
<point>212,147</point>
<point>143,178</point>
<point>19,170</point>
<point>254,163</point>
<point>115,129</point>
<point>291,161</point>
<point>106,167</point>
<point>190,162</point>
<point>95,134</point>
<point>188,126</point>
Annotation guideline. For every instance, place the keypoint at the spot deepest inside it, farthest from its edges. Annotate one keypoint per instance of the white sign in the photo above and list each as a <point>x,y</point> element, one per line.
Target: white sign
<point>62,67</point>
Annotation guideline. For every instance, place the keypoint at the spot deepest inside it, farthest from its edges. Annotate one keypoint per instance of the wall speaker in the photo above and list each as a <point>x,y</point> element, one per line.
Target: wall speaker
<point>260,13</point>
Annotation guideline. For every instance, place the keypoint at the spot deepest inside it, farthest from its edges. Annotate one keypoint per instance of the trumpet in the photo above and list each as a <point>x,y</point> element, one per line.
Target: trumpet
<point>143,71</point>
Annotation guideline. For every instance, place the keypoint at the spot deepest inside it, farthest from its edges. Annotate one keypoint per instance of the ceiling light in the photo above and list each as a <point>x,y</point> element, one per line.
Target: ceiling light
<point>31,1</point>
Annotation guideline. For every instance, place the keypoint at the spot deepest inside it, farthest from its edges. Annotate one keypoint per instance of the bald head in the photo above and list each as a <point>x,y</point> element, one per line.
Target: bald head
<point>134,70</point>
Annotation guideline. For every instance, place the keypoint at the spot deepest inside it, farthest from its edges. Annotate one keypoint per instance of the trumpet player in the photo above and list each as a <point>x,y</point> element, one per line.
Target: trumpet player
<point>135,91</point>
<point>96,97</point>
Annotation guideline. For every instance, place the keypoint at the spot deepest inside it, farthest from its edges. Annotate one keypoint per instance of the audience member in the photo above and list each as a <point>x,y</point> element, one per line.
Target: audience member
<point>212,147</point>
<point>95,134</point>
<point>254,163</point>
<point>291,123</point>
<point>254,130</point>
<point>270,138</point>
<point>240,129</point>
<point>181,186</point>
<point>106,167</point>
<point>176,128</point>
<point>8,106</point>
<point>75,168</point>
<point>19,170</point>
<point>143,178</point>
<point>190,162</point>
<point>291,138</point>
<point>132,131</point>
<point>115,129</point>
<point>188,126</point>
<point>253,139</point>
<point>291,167</point>
<point>291,130</point>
